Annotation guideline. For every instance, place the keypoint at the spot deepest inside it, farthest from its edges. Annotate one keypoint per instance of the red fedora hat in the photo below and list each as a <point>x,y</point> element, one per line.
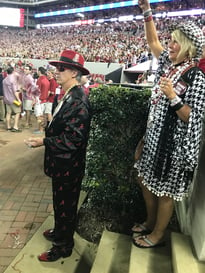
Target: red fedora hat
<point>70,58</point>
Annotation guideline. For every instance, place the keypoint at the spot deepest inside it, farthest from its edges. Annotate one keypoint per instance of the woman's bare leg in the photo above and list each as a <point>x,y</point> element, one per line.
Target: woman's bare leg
<point>151,206</point>
<point>164,214</point>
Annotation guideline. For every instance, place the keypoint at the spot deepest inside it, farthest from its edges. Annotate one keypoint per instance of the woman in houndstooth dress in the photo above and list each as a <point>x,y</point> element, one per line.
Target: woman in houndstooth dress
<point>174,127</point>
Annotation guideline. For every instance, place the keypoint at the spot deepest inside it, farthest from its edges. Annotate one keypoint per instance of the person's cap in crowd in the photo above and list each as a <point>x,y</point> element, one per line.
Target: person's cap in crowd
<point>193,33</point>
<point>70,58</point>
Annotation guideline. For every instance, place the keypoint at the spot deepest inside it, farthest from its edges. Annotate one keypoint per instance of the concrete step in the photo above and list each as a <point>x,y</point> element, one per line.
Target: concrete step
<point>26,261</point>
<point>113,254</point>
<point>183,255</point>
<point>152,260</point>
<point>80,261</point>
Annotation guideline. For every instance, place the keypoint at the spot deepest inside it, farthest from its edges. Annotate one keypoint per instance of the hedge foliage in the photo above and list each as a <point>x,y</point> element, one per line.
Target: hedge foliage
<point>119,121</point>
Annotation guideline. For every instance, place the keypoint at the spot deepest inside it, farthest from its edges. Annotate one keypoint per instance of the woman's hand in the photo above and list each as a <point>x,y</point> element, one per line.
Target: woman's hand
<point>144,4</point>
<point>167,88</point>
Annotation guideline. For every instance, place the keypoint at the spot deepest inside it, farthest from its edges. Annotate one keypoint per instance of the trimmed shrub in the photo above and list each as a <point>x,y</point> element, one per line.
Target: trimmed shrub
<point>118,123</point>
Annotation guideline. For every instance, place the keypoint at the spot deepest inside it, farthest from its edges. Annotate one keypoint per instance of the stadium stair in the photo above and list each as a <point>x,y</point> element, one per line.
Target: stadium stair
<point>183,255</point>
<point>114,254</point>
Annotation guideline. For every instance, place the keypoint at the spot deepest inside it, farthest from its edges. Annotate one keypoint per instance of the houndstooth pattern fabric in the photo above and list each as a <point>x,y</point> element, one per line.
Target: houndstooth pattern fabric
<point>186,141</point>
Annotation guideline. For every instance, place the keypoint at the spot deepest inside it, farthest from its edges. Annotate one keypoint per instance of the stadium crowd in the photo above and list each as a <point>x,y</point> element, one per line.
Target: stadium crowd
<point>116,42</point>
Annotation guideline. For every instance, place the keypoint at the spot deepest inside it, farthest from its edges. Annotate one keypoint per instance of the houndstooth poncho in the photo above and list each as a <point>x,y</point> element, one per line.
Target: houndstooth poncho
<point>171,147</point>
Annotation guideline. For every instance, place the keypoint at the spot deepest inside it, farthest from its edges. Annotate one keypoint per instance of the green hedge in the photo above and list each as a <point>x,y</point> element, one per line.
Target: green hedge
<point>119,121</point>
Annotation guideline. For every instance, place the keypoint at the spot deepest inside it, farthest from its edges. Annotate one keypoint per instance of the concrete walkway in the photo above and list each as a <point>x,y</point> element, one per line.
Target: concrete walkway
<point>25,193</point>
<point>26,260</point>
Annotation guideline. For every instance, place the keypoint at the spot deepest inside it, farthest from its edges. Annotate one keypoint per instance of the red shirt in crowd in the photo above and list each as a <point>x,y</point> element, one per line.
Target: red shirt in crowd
<point>44,86</point>
<point>52,89</point>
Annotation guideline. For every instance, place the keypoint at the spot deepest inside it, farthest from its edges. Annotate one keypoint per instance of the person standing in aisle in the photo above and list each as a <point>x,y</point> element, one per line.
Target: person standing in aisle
<point>65,153</point>
<point>43,85</point>
<point>12,100</point>
<point>29,92</point>
<point>2,105</point>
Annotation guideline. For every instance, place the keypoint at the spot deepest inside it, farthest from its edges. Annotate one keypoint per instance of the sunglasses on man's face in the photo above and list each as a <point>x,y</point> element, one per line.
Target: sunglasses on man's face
<point>62,68</point>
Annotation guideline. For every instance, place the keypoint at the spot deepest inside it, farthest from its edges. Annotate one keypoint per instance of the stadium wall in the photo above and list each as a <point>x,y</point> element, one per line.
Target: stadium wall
<point>97,69</point>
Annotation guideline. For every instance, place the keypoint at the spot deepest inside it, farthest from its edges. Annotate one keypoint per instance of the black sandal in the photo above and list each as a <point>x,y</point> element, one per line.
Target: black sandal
<point>16,130</point>
<point>142,229</point>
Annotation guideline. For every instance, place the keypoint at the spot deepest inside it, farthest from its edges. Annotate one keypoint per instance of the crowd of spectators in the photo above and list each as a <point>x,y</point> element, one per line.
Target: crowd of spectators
<point>117,42</point>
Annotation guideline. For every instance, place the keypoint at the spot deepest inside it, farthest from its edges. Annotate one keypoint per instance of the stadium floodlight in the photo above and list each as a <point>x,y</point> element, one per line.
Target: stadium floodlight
<point>76,23</point>
<point>129,18</point>
<point>80,15</point>
<point>158,15</point>
<point>185,12</point>
<point>139,17</point>
<point>94,8</point>
<point>125,18</point>
<point>113,19</point>
<point>100,21</point>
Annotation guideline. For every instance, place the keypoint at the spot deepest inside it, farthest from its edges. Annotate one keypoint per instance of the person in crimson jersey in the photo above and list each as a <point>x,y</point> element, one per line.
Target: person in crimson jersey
<point>65,153</point>
<point>44,86</point>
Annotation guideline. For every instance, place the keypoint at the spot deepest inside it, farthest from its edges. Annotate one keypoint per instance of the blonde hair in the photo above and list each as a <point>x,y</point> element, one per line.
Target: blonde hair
<point>188,49</point>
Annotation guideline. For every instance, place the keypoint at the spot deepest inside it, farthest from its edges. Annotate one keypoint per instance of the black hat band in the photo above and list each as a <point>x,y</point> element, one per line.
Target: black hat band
<point>68,60</point>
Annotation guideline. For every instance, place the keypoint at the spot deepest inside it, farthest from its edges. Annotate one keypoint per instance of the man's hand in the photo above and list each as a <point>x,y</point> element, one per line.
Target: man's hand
<point>34,142</point>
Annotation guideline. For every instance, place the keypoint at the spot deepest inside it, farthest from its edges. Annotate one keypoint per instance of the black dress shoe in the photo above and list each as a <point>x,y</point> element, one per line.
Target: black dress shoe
<point>55,253</point>
<point>49,234</point>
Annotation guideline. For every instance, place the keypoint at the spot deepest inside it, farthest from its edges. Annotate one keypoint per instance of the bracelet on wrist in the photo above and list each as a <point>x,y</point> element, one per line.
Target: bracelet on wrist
<point>147,12</point>
<point>175,100</point>
<point>148,19</point>
<point>178,106</point>
<point>148,15</point>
